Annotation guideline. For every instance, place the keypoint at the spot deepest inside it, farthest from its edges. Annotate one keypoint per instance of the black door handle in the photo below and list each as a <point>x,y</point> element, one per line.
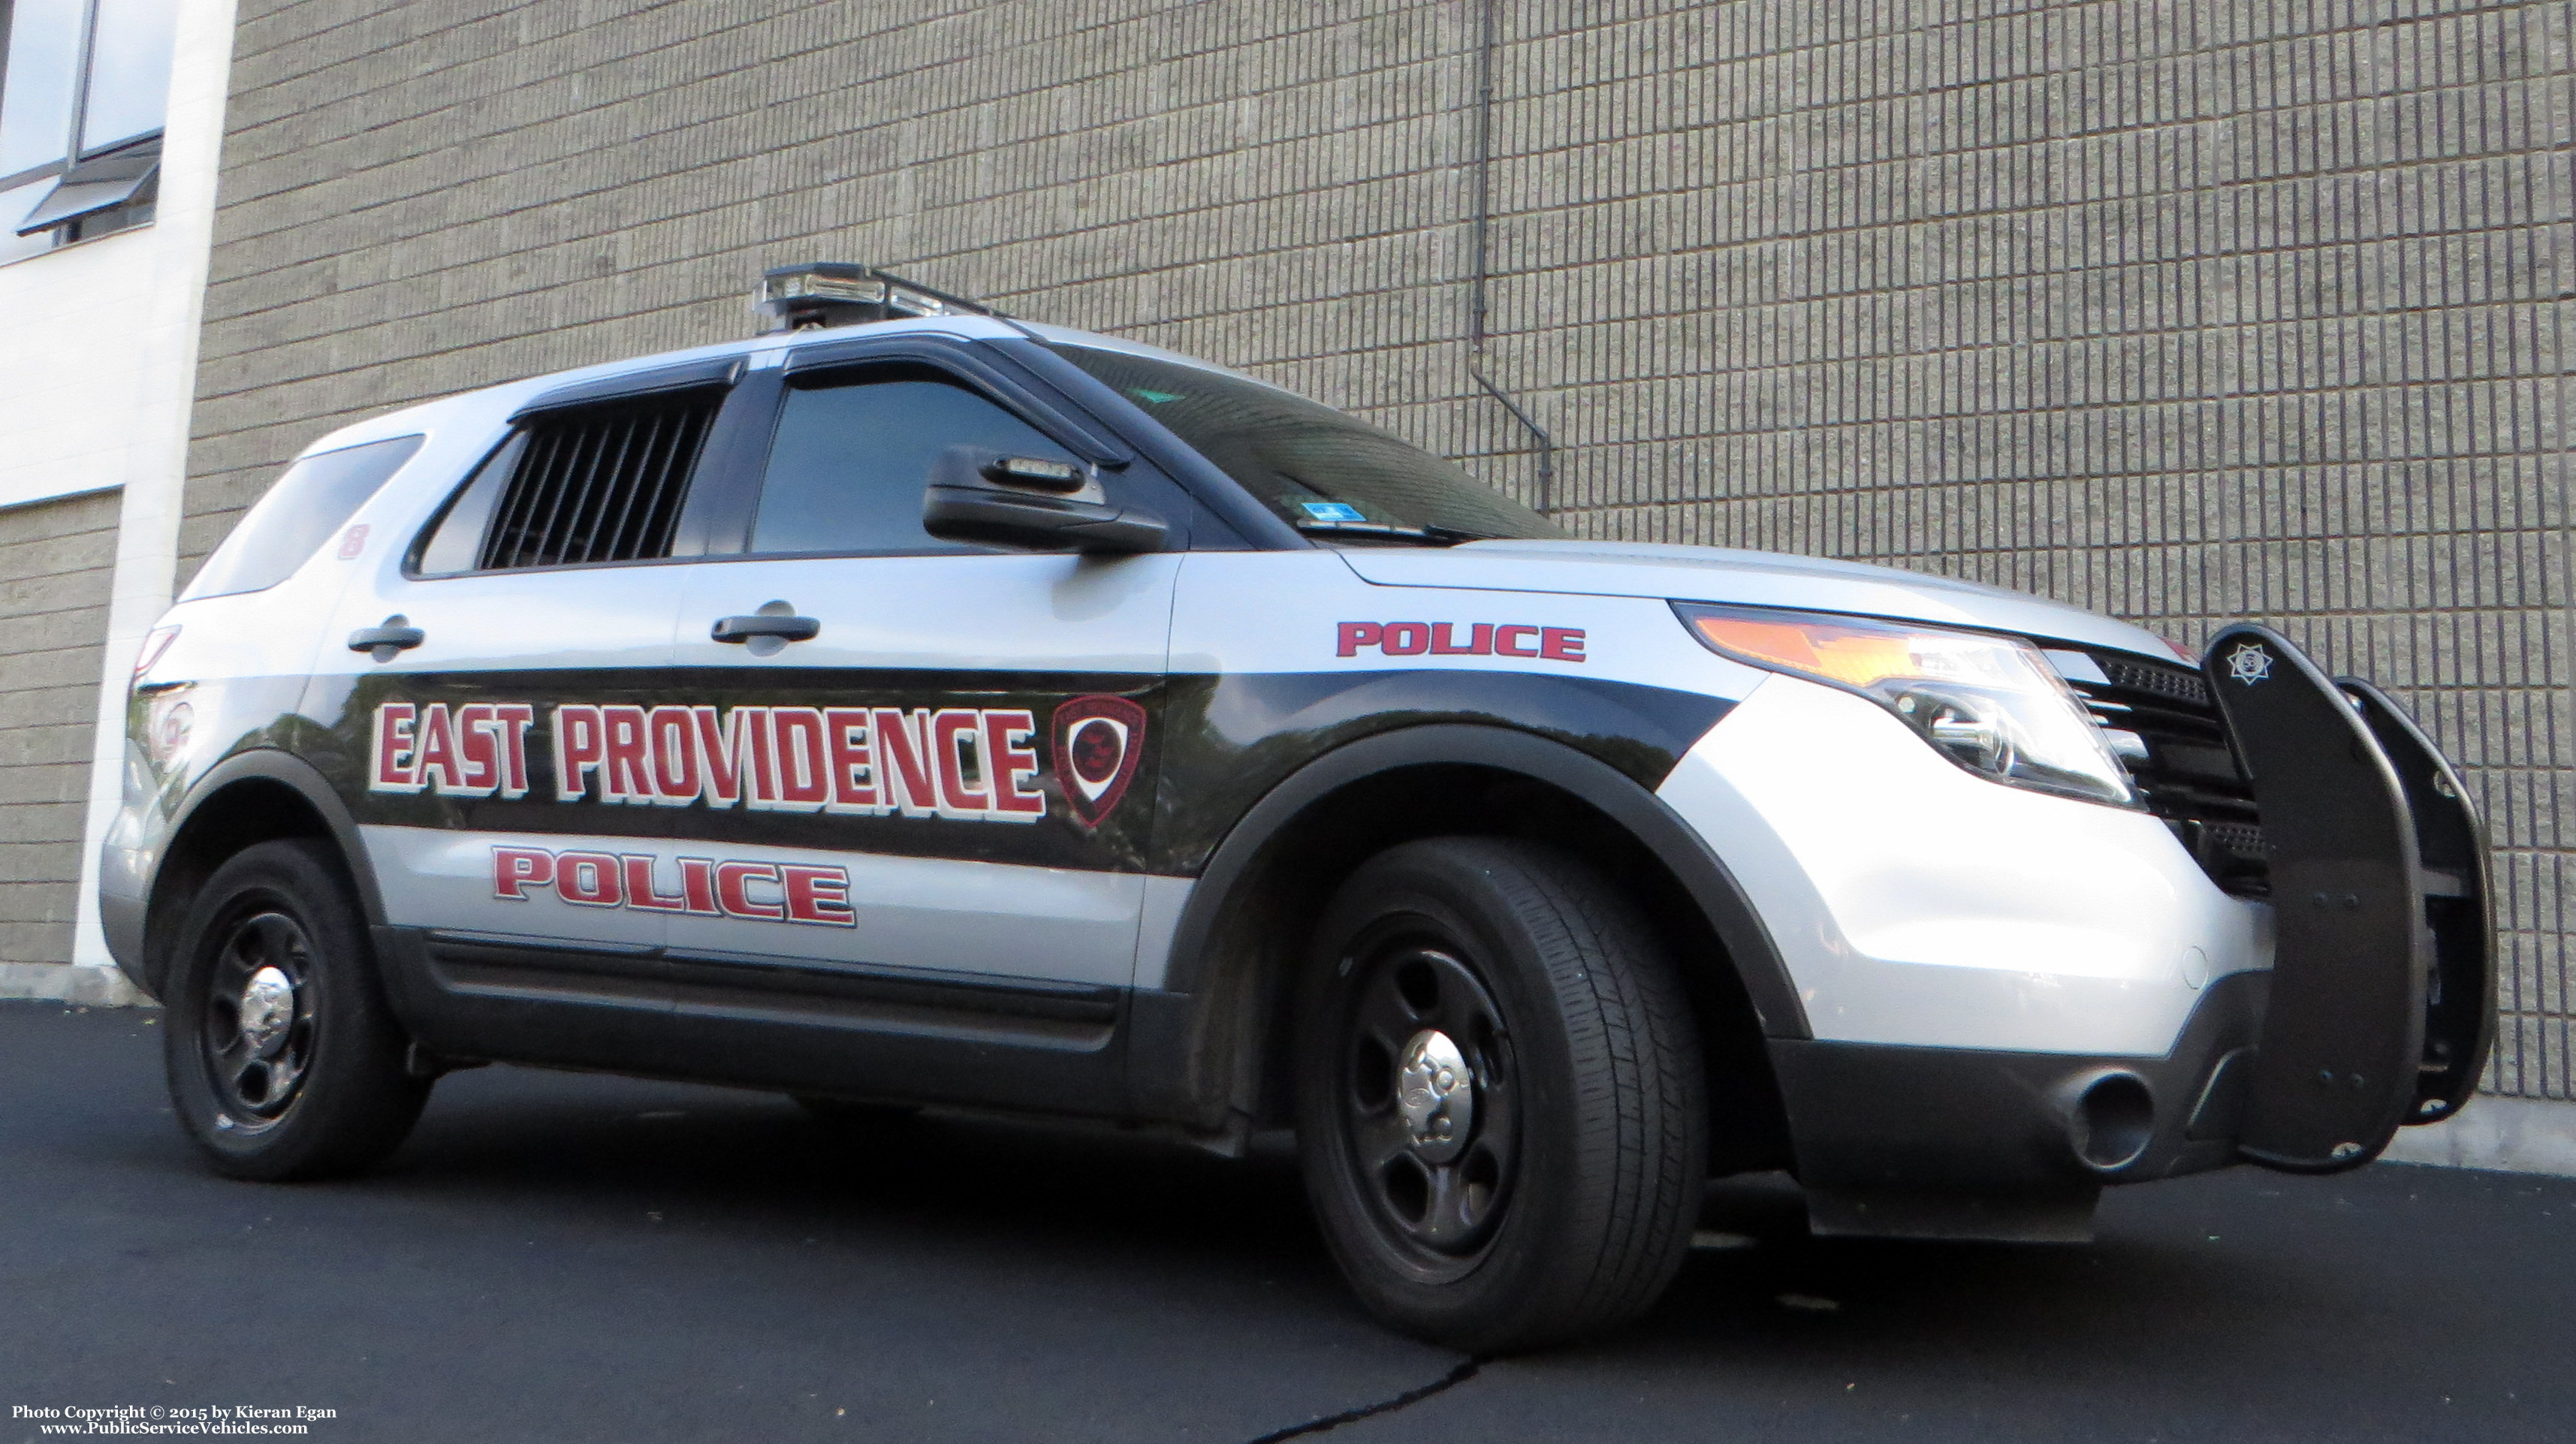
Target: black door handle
<point>395,634</point>
<point>785,629</point>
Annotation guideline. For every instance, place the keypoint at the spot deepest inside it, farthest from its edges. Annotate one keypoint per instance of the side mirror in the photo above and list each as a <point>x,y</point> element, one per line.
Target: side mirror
<point>1030,503</point>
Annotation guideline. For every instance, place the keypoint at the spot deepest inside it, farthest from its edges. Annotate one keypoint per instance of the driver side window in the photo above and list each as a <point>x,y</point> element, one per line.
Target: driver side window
<point>852,455</point>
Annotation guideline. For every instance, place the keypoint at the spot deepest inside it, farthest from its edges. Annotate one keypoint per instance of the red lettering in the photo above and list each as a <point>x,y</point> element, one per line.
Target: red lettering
<point>675,755</point>
<point>1561,644</point>
<point>394,753</point>
<point>515,869</point>
<point>588,878</point>
<point>732,881</point>
<point>952,731</point>
<point>1355,635</point>
<point>1444,640</point>
<point>819,895</point>
<point>764,761</point>
<point>721,748</point>
<point>627,775</point>
<point>437,757</point>
<point>578,741</point>
<point>478,749</point>
<point>1504,647</point>
<point>698,885</point>
<point>904,765</point>
<point>1010,754</point>
<point>640,892</point>
<point>854,782</point>
<point>804,764</point>
<point>515,718</point>
<point>1405,639</point>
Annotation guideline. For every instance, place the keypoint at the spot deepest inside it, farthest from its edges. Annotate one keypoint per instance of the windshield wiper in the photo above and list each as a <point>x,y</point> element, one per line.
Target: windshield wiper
<point>1438,536</point>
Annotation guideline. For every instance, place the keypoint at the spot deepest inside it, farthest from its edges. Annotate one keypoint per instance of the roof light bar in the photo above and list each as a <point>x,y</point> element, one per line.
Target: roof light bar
<point>837,293</point>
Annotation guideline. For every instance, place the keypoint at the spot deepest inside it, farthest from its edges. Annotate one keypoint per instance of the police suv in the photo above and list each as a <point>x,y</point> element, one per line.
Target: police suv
<point>913,705</point>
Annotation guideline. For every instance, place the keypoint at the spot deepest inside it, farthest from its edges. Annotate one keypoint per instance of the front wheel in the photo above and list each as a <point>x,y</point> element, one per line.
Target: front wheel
<point>1500,1108</point>
<point>283,1060</point>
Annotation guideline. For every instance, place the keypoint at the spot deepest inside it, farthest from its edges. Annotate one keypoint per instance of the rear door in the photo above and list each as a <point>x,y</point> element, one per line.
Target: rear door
<point>489,715</point>
<point>924,801</point>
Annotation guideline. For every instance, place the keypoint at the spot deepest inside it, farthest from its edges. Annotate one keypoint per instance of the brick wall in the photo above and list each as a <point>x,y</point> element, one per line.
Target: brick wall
<point>2180,309</point>
<point>56,559</point>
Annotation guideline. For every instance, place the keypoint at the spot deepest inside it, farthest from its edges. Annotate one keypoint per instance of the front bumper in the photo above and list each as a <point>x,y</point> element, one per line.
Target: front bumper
<point>2001,1144</point>
<point>1973,958</point>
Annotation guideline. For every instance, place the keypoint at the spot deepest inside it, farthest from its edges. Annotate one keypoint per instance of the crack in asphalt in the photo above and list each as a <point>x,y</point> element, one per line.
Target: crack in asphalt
<point>1465,1370</point>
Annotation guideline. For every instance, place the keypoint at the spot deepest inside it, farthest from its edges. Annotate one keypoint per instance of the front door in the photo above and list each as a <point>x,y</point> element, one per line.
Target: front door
<point>924,769</point>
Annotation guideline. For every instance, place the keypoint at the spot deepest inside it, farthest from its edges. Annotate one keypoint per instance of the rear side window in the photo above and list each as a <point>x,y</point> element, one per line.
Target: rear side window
<point>853,454</point>
<point>309,503</point>
<point>600,483</point>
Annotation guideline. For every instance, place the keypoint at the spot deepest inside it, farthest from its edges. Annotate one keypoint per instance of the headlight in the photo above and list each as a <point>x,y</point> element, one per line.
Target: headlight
<point>1991,704</point>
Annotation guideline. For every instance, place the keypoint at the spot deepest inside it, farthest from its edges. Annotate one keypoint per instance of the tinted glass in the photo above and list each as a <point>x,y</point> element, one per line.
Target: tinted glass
<point>303,510</point>
<point>36,93</point>
<point>1314,466</point>
<point>851,459</point>
<point>457,544</point>
<point>129,71</point>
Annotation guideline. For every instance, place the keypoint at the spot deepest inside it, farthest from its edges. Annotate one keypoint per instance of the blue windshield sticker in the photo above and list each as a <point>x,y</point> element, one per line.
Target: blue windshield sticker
<point>1333,511</point>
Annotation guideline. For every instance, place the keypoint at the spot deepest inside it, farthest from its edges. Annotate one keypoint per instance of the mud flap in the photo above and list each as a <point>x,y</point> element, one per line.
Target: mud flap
<point>2336,1063</point>
<point>2460,995</point>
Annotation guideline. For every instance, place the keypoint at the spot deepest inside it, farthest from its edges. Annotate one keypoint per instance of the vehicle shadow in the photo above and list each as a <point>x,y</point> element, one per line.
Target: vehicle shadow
<point>759,1163</point>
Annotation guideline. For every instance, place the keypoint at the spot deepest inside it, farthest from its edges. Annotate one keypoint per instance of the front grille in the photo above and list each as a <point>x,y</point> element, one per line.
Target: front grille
<point>2189,776</point>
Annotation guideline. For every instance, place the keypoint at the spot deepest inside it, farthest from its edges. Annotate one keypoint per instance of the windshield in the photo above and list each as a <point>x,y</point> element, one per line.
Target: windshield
<point>1331,476</point>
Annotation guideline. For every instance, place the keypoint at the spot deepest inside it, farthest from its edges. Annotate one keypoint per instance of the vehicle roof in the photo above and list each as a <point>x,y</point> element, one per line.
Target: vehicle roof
<point>484,402</point>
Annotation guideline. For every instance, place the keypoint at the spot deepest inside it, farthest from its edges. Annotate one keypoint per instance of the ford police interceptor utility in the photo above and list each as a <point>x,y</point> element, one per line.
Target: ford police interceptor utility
<point>912,705</point>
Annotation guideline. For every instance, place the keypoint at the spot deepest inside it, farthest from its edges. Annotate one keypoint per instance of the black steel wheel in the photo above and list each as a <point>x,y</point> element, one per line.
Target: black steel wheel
<point>283,1059</point>
<point>1428,1096</point>
<point>1499,1098</point>
<point>256,1030</point>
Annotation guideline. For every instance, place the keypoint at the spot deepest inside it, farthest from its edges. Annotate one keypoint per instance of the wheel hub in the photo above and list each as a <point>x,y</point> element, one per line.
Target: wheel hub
<point>1437,1094</point>
<point>267,1009</point>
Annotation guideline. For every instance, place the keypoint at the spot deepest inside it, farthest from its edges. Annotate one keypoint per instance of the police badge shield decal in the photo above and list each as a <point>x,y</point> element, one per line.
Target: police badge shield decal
<point>1097,743</point>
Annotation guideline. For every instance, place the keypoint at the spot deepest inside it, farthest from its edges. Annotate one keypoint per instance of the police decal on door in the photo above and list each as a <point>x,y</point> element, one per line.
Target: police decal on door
<point>974,764</point>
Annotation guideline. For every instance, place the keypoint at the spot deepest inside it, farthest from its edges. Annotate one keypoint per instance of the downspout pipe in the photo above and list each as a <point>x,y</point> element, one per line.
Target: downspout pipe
<point>1480,238</point>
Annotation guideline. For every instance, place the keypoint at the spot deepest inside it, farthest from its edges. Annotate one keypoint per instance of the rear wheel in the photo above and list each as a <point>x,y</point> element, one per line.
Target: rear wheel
<point>283,1060</point>
<point>1499,1098</point>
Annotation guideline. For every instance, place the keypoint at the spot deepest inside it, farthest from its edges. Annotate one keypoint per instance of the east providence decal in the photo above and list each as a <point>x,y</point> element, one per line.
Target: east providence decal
<point>976,764</point>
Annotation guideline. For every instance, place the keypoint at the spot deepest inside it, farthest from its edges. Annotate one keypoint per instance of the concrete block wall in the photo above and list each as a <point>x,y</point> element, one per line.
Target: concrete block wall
<point>57,559</point>
<point>2181,309</point>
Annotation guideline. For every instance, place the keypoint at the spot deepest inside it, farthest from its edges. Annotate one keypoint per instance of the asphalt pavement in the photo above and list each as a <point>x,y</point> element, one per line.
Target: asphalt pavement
<point>558,1257</point>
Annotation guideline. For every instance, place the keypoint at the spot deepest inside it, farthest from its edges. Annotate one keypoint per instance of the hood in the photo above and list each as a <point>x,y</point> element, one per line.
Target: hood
<point>1752,579</point>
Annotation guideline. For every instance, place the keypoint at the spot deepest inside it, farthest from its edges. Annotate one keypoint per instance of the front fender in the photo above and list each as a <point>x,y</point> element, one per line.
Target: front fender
<point>1184,1059</point>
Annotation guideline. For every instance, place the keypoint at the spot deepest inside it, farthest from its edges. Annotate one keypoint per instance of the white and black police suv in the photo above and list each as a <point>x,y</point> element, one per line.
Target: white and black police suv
<point>926,707</point>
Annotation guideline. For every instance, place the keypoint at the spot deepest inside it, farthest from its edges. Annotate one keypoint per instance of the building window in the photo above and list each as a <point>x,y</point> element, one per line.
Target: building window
<point>83,87</point>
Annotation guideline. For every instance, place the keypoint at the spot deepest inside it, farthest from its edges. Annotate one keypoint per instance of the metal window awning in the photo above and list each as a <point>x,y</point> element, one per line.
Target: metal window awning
<point>93,186</point>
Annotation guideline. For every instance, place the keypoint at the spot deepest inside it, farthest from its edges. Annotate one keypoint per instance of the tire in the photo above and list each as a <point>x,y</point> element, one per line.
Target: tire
<point>306,1079</point>
<point>1558,1201</point>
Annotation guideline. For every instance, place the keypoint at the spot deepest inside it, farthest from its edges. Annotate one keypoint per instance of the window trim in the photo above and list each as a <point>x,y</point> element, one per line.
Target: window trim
<point>956,367</point>
<point>74,156</point>
<point>627,386</point>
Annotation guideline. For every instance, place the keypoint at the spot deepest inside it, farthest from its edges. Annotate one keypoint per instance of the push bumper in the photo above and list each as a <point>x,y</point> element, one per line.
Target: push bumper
<point>2382,1005</point>
<point>2377,1012</point>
